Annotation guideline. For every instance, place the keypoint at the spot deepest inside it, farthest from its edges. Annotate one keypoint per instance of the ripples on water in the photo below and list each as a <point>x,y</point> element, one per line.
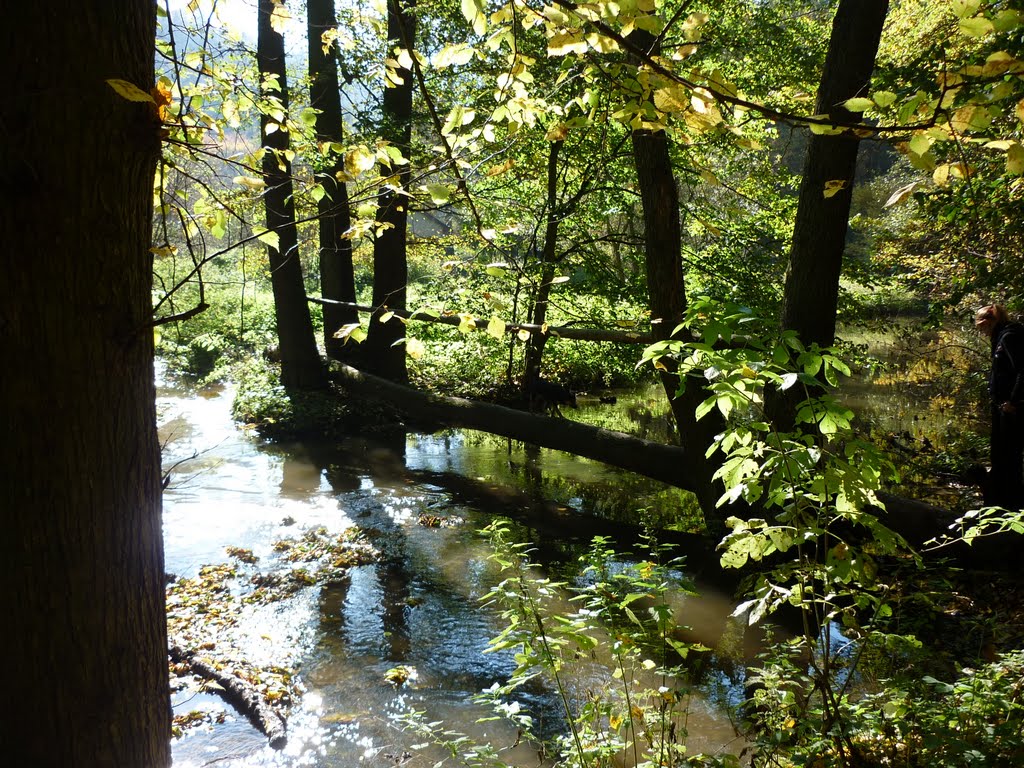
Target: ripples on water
<point>418,607</point>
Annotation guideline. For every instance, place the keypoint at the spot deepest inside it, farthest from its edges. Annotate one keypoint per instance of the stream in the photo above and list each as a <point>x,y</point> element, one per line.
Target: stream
<point>418,606</point>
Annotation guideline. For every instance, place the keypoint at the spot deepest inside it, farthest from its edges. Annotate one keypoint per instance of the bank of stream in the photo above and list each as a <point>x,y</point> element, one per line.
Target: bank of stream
<point>397,631</point>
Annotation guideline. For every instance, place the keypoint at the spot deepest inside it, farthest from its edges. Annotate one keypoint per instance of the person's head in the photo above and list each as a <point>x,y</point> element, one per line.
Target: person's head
<point>988,318</point>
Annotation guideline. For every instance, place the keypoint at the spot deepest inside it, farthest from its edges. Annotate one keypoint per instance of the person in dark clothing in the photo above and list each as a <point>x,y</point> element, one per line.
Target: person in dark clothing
<point>1006,389</point>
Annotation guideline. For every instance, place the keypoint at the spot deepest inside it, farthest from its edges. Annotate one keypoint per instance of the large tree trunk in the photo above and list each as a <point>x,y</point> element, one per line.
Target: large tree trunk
<point>300,361</point>
<point>82,565</point>
<point>385,353</point>
<point>819,234</point>
<point>337,279</point>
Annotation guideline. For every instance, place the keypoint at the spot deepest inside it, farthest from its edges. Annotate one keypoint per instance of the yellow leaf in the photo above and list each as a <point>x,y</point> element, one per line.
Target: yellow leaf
<point>1015,160</point>
<point>945,174</point>
<point>359,160</point>
<point>833,187</point>
<point>414,348</point>
<point>1019,111</point>
<point>496,328</point>
<point>129,91</point>
<point>250,182</point>
<point>858,104</point>
<point>557,132</point>
<point>523,335</point>
<point>467,322</point>
<point>279,17</point>
<point>385,316</point>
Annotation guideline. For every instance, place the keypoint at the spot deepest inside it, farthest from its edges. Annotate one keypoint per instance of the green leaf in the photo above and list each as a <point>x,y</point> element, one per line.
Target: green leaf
<point>979,26</point>
<point>964,8</point>
<point>439,193</point>
<point>268,238</point>
<point>859,104</point>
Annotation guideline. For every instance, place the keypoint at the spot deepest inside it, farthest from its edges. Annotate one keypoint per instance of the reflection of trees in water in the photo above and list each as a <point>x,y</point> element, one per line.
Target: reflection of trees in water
<point>345,467</point>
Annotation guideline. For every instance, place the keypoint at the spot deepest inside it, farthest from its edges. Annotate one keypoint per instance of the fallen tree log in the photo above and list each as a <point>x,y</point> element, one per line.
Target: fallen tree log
<point>645,457</point>
<point>916,521</point>
<point>242,695</point>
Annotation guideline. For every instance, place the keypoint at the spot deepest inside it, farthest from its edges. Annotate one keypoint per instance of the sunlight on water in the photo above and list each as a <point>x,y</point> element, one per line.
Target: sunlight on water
<point>417,607</point>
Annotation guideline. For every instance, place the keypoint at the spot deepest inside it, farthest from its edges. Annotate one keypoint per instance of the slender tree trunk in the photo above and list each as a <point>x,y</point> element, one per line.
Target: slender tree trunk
<point>538,316</point>
<point>81,562</point>
<point>385,351</point>
<point>667,296</point>
<point>300,361</point>
<point>337,279</point>
<point>819,234</point>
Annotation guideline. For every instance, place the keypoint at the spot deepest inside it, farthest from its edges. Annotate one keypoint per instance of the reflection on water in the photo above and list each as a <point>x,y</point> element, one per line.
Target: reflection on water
<point>418,606</point>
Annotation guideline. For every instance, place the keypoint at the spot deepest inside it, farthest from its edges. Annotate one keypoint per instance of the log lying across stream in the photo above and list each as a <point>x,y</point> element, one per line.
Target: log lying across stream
<point>916,521</point>
<point>240,694</point>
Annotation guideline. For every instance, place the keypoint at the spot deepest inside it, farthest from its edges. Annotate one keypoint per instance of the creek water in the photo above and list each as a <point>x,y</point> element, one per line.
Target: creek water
<point>419,606</point>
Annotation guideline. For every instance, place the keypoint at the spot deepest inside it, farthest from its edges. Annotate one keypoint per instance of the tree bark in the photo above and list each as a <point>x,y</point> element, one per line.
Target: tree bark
<point>82,558</point>
<point>337,277</point>
<point>385,352</point>
<point>667,296</point>
<point>539,310</point>
<point>300,361</point>
<point>819,234</point>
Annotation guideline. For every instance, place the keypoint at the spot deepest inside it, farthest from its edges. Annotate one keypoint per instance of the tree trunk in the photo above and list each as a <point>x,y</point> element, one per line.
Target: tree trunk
<point>337,279</point>
<point>667,296</point>
<point>539,311</point>
<point>82,562</point>
<point>385,353</point>
<point>819,234</point>
<point>300,360</point>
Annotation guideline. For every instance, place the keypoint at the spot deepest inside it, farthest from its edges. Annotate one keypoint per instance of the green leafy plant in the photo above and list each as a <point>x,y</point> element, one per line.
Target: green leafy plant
<point>607,645</point>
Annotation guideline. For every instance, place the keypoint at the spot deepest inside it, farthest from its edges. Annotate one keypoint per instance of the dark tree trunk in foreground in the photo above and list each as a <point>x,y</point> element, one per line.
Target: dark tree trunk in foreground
<point>385,353</point>
<point>82,567</point>
<point>300,360</point>
<point>819,234</point>
<point>337,280</point>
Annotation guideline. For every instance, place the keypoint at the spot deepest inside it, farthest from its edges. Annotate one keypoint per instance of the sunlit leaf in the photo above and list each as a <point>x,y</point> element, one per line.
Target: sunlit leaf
<point>858,104</point>
<point>129,91</point>
<point>279,17</point>
<point>833,187</point>
<point>964,8</point>
<point>351,332</point>
<point>979,26</point>
<point>496,328</point>
<point>902,194</point>
<point>1015,160</point>
<point>268,238</point>
<point>414,348</point>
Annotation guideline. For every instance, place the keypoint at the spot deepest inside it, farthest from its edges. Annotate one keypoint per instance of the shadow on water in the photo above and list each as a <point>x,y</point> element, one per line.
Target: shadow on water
<point>417,607</point>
